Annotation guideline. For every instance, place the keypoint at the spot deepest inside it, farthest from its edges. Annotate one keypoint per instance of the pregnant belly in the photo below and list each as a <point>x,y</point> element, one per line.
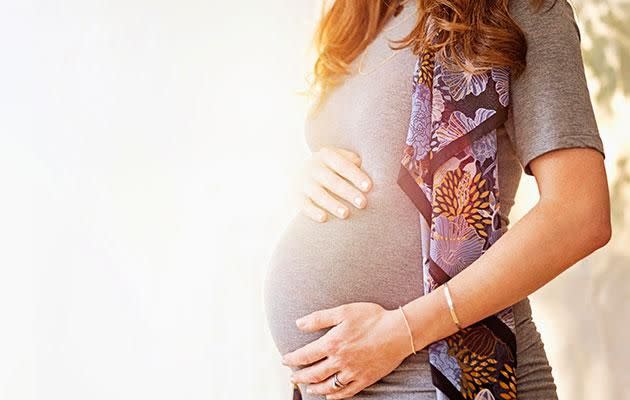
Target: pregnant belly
<point>373,256</point>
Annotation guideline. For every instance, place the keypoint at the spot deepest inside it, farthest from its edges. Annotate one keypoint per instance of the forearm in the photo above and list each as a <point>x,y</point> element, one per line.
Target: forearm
<point>550,238</point>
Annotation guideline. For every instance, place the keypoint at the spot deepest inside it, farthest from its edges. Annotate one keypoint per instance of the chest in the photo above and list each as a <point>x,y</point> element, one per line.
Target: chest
<point>370,110</point>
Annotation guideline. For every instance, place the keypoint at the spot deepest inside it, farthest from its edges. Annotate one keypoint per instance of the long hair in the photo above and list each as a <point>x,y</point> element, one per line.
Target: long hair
<point>476,35</point>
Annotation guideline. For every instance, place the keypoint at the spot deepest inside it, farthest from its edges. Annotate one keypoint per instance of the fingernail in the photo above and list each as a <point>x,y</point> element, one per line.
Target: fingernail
<point>365,185</point>
<point>342,212</point>
<point>358,201</point>
<point>309,390</point>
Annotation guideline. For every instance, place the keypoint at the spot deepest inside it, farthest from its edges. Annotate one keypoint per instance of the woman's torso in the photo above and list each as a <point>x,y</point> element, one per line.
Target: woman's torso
<point>375,254</point>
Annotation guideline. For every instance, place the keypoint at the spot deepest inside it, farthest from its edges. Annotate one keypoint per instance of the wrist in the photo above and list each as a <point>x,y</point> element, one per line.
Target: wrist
<point>417,326</point>
<point>429,317</point>
<point>398,334</point>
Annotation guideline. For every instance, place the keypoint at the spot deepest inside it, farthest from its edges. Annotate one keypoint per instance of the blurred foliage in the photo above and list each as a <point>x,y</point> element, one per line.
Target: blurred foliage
<point>605,31</point>
<point>618,191</point>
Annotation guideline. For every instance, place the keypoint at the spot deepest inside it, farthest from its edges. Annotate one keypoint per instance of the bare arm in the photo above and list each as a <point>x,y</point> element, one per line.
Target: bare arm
<point>569,222</point>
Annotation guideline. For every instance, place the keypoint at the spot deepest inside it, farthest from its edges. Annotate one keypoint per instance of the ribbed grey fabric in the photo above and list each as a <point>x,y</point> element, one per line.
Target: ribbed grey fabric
<point>375,254</point>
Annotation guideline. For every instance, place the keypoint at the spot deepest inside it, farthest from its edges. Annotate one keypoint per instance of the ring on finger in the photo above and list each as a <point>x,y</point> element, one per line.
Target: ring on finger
<point>336,382</point>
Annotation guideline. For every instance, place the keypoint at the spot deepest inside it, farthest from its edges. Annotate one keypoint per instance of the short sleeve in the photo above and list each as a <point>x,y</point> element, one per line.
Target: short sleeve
<point>550,106</point>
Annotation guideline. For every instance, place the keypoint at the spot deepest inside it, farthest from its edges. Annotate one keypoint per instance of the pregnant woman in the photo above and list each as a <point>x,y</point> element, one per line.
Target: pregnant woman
<point>344,293</point>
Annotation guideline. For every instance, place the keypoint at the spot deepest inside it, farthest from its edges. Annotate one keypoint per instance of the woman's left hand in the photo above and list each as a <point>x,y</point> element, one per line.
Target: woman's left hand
<point>366,343</point>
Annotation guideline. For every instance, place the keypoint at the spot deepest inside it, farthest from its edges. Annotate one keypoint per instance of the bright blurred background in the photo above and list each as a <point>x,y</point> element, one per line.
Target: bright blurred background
<point>147,150</point>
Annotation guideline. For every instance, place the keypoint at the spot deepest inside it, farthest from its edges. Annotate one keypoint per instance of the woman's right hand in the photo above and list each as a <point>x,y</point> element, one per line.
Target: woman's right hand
<point>333,170</point>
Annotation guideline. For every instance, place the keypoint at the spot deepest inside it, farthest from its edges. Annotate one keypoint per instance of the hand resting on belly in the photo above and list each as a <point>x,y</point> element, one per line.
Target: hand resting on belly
<point>333,170</point>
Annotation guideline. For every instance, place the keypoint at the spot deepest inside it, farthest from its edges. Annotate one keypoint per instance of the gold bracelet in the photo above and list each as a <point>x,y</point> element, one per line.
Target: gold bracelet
<point>449,300</point>
<point>413,348</point>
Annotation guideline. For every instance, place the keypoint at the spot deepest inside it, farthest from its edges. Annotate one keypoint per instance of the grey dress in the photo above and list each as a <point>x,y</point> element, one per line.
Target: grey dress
<point>375,254</point>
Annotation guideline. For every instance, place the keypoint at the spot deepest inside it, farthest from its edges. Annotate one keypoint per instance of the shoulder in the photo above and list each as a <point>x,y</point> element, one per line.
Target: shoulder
<point>553,43</point>
<point>550,104</point>
<point>553,17</point>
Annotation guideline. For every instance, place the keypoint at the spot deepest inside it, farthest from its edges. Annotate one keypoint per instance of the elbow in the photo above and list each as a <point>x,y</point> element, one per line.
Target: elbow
<point>602,232</point>
<point>597,230</point>
<point>589,224</point>
<point>602,223</point>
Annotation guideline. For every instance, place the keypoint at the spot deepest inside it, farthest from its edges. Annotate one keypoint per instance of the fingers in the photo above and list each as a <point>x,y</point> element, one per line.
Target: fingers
<point>337,185</point>
<point>347,391</point>
<point>321,319</point>
<point>312,211</point>
<point>325,386</point>
<point>309,353</point>
<point>323,346</point>
<point>352,156</point>
<point>333,174</point>
<point>333,158</point>
<point>316,373</point>
<point>323,199</point>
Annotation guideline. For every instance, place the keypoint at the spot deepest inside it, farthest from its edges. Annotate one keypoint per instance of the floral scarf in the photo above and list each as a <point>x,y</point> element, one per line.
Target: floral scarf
<point>449,171</point>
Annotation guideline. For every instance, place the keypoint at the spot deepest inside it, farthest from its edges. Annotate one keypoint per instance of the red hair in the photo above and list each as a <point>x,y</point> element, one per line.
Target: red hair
<point>479,34</point>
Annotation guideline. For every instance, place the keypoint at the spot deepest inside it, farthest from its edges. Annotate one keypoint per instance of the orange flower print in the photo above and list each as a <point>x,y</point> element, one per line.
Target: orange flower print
<point>427,63</point>
<point>459,193</point>
<point>510,385</point>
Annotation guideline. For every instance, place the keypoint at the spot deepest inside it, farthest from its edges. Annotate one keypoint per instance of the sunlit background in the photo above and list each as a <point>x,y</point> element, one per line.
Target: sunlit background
<point>147,153</point>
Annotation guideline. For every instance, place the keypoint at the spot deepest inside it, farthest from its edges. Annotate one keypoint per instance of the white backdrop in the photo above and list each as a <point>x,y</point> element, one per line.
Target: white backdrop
<point>142,163</point>
<point>145,151</point>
